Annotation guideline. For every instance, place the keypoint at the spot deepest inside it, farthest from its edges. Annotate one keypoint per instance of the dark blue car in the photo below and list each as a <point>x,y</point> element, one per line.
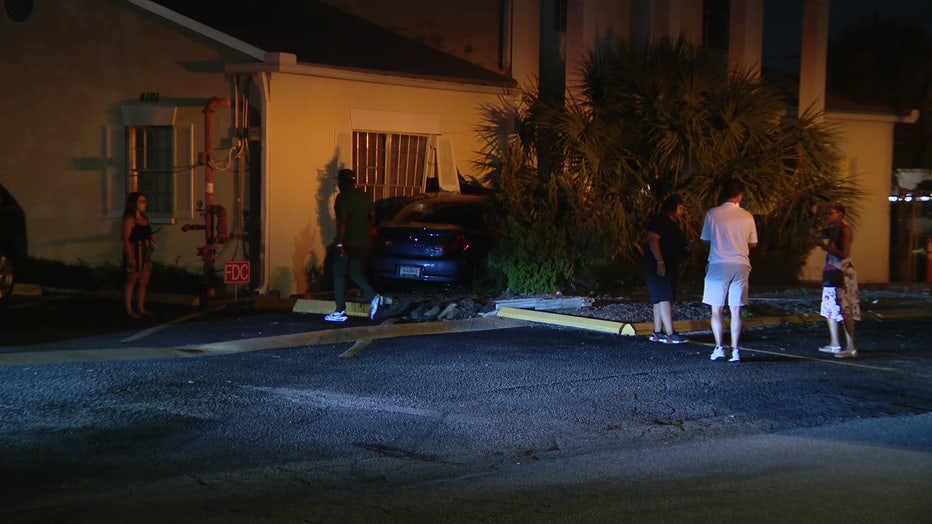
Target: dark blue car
<point>436,238</point>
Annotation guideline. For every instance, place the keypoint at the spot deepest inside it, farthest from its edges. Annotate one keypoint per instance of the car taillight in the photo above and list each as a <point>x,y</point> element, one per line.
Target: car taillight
<point>460,244</point>
<point>376,240</point>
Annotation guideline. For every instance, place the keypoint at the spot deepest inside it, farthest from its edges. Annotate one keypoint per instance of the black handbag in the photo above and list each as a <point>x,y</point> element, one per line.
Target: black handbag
<point>833,278</point>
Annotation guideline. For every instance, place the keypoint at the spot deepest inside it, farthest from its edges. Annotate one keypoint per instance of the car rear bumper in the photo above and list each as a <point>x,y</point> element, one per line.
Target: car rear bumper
<point>389,268</point>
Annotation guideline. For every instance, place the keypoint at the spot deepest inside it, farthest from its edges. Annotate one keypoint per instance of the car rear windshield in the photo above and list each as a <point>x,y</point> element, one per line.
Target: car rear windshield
<point>467,214</point>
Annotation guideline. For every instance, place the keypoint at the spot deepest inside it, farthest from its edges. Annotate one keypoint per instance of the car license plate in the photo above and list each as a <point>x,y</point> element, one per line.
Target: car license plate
<point>409,271</point>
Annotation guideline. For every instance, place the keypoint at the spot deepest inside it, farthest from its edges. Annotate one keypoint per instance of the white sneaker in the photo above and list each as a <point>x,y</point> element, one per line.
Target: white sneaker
<point>830,349</point>
<point>735,356</point>
<point>374,306</point>
<point>336,316</point>
<point>718,353</point>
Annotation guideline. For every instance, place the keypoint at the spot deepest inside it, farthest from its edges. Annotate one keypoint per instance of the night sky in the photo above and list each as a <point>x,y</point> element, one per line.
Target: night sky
<point>783,23</point>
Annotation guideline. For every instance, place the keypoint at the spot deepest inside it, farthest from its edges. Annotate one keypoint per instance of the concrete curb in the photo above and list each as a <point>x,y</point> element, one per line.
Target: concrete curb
<point>688,326</point>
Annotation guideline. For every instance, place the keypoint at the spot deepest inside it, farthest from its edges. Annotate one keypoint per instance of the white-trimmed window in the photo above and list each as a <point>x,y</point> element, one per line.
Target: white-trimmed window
<point>152,154</point>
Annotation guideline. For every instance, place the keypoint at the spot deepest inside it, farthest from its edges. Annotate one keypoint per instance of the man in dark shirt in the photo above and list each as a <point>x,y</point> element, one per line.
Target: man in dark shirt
<point>666,248</point>
<point>355,215</point>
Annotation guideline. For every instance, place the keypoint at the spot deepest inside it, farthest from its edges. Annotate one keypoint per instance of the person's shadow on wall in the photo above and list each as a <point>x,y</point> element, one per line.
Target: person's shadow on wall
<point>319,274</point>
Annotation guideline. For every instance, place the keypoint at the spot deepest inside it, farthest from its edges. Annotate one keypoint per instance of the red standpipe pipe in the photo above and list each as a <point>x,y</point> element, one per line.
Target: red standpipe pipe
<point>209,199</point>
<point>209,251</point>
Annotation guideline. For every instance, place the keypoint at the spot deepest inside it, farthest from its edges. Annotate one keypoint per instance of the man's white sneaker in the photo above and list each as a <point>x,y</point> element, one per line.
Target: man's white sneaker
<point>718,353</point>
<point>830,349</point>
<point>735,356</point>
<point>374,306</point>
<point>336,316</point>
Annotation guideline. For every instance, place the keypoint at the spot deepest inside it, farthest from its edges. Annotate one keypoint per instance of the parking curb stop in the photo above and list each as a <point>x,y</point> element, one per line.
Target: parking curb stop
<point>593,324</point>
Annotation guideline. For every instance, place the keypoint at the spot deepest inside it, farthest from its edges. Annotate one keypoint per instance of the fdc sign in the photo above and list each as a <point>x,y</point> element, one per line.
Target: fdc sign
<point>236,272</point>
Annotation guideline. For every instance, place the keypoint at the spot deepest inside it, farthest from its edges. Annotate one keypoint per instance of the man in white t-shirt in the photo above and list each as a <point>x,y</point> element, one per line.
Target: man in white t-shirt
<point>730,233</point>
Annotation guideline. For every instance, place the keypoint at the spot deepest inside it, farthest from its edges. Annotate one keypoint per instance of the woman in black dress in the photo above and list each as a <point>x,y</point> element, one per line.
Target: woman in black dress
<point>137,254</point>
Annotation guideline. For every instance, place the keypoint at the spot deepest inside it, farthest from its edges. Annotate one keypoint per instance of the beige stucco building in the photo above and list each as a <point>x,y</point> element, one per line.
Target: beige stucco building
<point>306,155</point>
<point>92,76</point>
<point>100,97</point>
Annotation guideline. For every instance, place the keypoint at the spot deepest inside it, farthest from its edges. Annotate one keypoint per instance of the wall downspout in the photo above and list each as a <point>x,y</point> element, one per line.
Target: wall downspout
<point>263,80</point>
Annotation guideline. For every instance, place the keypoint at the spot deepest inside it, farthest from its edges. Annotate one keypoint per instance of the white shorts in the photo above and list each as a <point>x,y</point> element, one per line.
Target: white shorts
<point>831,309</point>
<point>726,281</point>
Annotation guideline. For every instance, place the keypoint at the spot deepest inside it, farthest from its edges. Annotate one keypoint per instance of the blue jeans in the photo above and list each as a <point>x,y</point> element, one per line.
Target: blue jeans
<point>352,259</point>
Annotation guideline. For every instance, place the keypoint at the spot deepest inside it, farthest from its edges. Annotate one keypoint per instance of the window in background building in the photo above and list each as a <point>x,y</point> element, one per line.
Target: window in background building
<point>560,8</point>
<point>390,164</point>
<point>715,24</point>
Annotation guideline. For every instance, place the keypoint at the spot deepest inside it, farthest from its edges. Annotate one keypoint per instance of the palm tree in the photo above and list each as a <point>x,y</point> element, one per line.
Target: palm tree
<point>649,120</point>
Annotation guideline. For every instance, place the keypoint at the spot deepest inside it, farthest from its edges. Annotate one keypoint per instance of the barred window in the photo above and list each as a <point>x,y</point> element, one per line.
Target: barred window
<point>390,164</point>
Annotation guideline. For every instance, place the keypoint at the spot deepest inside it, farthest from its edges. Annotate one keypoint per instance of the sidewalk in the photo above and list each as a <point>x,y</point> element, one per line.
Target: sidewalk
<point>627,316</point>
<point>621,315</point>
<point>226,326</point>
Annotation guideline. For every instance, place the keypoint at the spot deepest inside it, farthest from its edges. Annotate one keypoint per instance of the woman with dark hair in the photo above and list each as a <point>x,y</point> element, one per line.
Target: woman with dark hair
<point>137,253</point>
<point>840,296</point>
<point>666,248</point>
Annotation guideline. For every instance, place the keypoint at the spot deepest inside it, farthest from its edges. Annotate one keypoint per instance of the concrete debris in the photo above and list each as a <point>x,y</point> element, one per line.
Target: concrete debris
<point>448,312</point>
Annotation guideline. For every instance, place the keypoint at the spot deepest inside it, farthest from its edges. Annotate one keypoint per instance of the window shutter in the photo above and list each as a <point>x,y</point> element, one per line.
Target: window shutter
<point>184,172</point>
<point>345,151</point>
<point>447,177</point>
<point>112,155</point>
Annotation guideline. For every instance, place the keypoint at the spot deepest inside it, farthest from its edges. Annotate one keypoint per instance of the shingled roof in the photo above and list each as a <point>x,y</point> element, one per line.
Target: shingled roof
<point>321,34</point>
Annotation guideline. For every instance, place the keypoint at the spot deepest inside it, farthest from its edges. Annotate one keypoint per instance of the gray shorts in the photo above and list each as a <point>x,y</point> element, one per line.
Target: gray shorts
<point>726,281</point>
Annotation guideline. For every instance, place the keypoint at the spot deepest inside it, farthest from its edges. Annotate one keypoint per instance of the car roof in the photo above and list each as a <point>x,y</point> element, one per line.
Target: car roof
<point>432,203</point>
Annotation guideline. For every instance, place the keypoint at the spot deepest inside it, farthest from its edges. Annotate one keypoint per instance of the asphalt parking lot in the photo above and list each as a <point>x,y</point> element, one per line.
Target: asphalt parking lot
<point>233,413</point>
